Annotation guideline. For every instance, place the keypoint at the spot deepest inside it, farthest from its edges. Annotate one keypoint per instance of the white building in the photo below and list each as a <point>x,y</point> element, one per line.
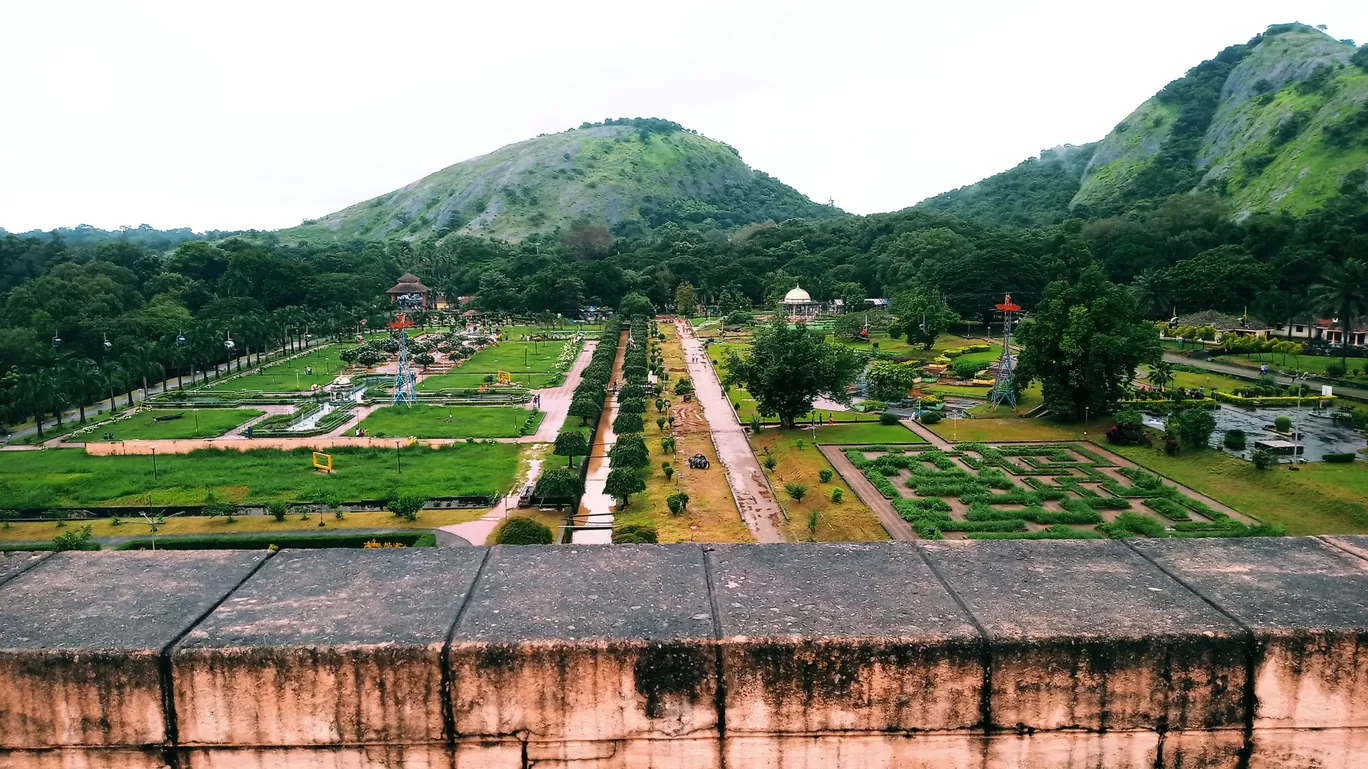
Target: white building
<point>799,305</point>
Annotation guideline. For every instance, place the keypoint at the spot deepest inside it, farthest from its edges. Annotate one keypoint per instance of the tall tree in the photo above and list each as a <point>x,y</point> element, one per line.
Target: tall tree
<point>789,367</point>
<point>686,303</point>
<point>924,315</point>
<point>1085,344</point>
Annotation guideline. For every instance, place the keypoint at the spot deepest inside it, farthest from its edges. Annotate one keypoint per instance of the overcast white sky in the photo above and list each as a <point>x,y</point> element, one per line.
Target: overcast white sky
<point>234,115</point>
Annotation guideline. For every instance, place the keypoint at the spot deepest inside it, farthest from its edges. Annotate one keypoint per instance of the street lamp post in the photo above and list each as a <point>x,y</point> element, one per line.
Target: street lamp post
<point>398,462</point>
<point>154,462</point>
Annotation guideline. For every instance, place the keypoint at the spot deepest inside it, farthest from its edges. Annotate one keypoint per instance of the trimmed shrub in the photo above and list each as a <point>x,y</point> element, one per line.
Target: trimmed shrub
<point>1234,440</point>
<point>836,496</point>
<point>888,418</point>
<point>929,418</point>
<point>824,475</point>
<point>634,533</point>
<point>1283,424</point>
<point>1338,459</point>
<point>522,531</point>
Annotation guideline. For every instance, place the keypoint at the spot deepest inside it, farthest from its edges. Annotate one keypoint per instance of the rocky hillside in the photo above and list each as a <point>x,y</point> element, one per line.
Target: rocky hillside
<point>1276,124</point>
<point>630,175</point>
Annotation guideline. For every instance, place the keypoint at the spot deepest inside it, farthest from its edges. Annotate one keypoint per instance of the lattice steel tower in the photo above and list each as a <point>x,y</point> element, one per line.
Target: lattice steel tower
<point>404,376</point>
<point>1004,388</point>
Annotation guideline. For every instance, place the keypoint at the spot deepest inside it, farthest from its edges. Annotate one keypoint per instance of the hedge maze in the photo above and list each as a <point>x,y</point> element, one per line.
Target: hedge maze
<point>1057,491</point>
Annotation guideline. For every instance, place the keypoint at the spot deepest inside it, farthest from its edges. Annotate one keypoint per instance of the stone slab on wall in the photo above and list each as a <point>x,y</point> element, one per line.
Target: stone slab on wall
<point>324,647</point>
<point>1210,654</point>
<point>1095,637</point>
<point>562,647</point>
<point>883,647</point>
<point>81,639</point>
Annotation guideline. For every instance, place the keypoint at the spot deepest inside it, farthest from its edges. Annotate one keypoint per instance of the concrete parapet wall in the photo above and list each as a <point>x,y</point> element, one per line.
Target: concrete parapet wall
<point>1005,655</point>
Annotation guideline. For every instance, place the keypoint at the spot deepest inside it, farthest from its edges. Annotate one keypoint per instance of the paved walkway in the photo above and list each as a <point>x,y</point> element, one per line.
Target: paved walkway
<point>926,434</point>
<point>555,401</point>
<point>596,507</point>
<point>753,496</point>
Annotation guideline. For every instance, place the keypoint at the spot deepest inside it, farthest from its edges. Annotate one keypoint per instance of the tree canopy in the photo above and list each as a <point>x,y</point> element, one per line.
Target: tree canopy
<point>788,367</point>
<point>1084,345</point>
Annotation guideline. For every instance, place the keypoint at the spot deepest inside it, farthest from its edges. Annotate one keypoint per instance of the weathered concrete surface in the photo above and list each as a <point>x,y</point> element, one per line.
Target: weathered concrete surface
<point>1210,654</point>
<point>14,564</point>
<point>883,648</point>
<point>81,635</point>
<point>325,647</point>
<point>573,648</point>
<point>1306,603</point>
<point>1089,635</point>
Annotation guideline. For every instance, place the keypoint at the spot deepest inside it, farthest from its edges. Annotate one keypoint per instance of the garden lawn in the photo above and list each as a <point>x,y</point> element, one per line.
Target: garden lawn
<point>72,478</point>
<point>1018,429</point>
<point>964,391</point>
<point>288,376</point>
<point>849,521</point>
<point>863,433</point>
<point>245,524</point>
<point>144,427</point>
<point>1192,380</point>
<point>426,421</point>
<point>513,357</point>
<point>1313,363</point>
<point>1317,499</point>
<point>473,381</point>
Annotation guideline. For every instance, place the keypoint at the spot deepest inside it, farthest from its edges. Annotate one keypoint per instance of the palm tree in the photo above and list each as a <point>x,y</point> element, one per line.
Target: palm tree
<point>81,378</point>
<point>1343,292</point>
<point>34,390</point>
<point>1150,294</point>
<point>141,361</point>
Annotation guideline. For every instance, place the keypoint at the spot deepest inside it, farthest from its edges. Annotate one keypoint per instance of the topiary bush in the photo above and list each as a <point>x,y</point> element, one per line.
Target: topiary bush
<point>1283,424</point>
<point>1337,459</point>
<point>888,418</point>
<point>635,534</point>
<point>1234,440</point>
<point>929,418</point>
<point>522,531</point>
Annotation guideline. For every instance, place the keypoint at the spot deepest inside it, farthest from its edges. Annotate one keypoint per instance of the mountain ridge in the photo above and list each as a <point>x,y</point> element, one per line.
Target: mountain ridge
<point>630,175</point>
<point>1276,124</point>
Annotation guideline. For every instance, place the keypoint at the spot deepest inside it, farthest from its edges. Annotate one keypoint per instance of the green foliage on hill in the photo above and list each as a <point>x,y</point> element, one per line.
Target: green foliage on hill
<point>628,175</point>
<point>1276,124</point>
<point>1036,193</point>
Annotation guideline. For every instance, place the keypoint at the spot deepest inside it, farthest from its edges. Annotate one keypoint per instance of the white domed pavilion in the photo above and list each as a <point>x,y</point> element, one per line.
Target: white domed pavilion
<point>799,305</point>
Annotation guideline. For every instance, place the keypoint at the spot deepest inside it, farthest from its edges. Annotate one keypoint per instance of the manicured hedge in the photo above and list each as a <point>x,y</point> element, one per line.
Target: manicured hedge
<point>285,540</point>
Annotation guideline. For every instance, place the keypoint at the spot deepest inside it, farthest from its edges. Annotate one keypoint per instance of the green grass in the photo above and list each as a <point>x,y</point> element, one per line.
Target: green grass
<point>144,427</point>
<point>1316,499</point>
<point>516,358</point>
<point>865,433</point>
<point>289,376</point>
<point>70,477</point>
<point>1017,429</point>
<point>966,391</point>
<point>456,381</point>
<point>1315,364</point>
<point>1192,380</point>
<point>424,421</point>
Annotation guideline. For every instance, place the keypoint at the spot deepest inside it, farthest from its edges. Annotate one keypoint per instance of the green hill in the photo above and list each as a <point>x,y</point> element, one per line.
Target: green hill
<point>630,175</point>
<point>1279,123</point>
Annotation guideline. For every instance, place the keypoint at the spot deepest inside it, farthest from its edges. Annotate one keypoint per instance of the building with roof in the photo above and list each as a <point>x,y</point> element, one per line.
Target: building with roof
<point>410,293</point>
<point>799,305</point>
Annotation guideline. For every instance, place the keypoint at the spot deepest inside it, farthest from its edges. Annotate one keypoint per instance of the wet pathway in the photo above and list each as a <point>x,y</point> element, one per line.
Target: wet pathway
<point>753,496</point>
<point>596,507</point>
